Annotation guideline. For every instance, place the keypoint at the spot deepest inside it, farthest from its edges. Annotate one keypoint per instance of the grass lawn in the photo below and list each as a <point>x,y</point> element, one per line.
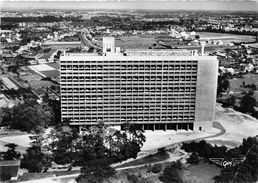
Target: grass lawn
<point>55,65</point>
<point>138,42</point>
<point>52,74</point>
<point>48,54</point>
<point>153,158</point>
<point>201,173</point>
<point>66,46</point>
<point>225,36</point>
<point>140,172</point>
<point>249,79</point>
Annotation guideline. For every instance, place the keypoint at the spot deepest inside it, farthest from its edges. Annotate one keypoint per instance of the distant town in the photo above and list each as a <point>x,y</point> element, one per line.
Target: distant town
<point>68,77</point>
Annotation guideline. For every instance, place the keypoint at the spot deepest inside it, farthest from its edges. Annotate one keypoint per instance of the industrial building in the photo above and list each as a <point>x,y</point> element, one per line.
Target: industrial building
<point>155,89</point>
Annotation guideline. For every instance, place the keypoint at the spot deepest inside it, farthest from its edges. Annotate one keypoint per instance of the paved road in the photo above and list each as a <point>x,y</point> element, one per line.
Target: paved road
<point>215,125</point>
<point>87,42</point>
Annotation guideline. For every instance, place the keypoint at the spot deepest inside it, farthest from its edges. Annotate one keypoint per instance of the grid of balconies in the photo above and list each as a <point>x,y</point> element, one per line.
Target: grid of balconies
<point>122,91</point>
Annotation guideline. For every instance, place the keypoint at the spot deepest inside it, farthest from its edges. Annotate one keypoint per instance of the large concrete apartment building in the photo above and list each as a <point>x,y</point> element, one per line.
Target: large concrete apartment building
<point>155,89</point>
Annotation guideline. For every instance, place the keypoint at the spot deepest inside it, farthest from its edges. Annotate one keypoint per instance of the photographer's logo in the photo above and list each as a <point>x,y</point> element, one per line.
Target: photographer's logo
<point>225,163</point>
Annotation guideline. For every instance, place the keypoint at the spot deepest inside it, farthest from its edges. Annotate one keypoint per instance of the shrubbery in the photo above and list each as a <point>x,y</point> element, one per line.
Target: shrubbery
<point>156,168</point>
<point>171,173</point>
<point>5,176</point>
<point>194,158</point>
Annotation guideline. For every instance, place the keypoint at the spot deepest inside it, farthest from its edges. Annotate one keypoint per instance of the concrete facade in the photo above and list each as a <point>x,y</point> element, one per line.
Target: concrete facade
<point>157,90</point>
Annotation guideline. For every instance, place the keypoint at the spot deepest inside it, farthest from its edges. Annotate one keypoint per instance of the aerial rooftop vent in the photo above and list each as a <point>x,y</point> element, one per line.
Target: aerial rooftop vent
<point>108,44</point>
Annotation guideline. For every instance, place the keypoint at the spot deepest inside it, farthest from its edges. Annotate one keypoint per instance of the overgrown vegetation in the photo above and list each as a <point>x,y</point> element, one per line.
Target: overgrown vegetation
<point>246,171</point>
<point>171,174</point>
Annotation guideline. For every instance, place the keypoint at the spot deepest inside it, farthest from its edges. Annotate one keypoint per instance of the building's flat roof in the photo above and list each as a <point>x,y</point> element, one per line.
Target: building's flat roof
<point>130,58</point>
<point>139,54</point>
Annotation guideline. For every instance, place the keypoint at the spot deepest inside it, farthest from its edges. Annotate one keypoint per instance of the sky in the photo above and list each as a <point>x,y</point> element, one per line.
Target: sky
<point>224,5</point>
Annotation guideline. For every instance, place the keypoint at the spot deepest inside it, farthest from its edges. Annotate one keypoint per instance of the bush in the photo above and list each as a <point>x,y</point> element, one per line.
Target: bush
<point>194,159</point>
<point>156,168</point>
<point>171,173</point>
<point>5,176</point>
<point>148,168</point>
<point>161,150</point>
<point>132,178</point>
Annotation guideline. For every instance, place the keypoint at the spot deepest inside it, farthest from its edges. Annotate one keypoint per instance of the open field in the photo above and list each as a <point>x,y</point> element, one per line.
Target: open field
<point>225,36</point>
<point>55,65</point>
<point>48,54</point>
<point>34,80</point>
<point>145,41</point>
<point>249,79</point>
<point>65,46</point>
<point>52,73</point>
<point>201,173</point>
<point>45,70</point>
<point>138,42</point>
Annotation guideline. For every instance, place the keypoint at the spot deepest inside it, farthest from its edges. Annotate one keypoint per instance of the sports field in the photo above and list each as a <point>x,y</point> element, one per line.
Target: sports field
<point>137,42</point>
<point>47,70</point>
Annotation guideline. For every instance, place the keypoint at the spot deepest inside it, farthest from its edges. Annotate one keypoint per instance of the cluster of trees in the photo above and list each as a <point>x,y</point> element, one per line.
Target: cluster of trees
<point>36,158</point>
<point>247,102</point>
<point>30,117</point>
<point>171,174</point>
<point>93,152</point>
<point>243,172</point>
<point>246,105</point>
<point>206,150</point>
<point>223,84</point>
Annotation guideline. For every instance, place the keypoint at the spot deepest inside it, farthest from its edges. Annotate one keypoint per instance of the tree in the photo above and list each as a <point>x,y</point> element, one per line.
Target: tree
<point>171,174</point>
<point>95,171</point>
<point>63,144</point>
<point>5,116</point>
<point>225,84</point>
<point>197,37</point>
<point>230,102</point>
<point>156,168</point>
<point>91,49</point>
<point>246,171</point>
<point>35,161</point>
<point>29,117</point>
<point>56,108</point>
<point>135,133</point>
<point>247,104</point>
<point>194,158</point>
<point>11,153</point>
<point>5,176</point>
